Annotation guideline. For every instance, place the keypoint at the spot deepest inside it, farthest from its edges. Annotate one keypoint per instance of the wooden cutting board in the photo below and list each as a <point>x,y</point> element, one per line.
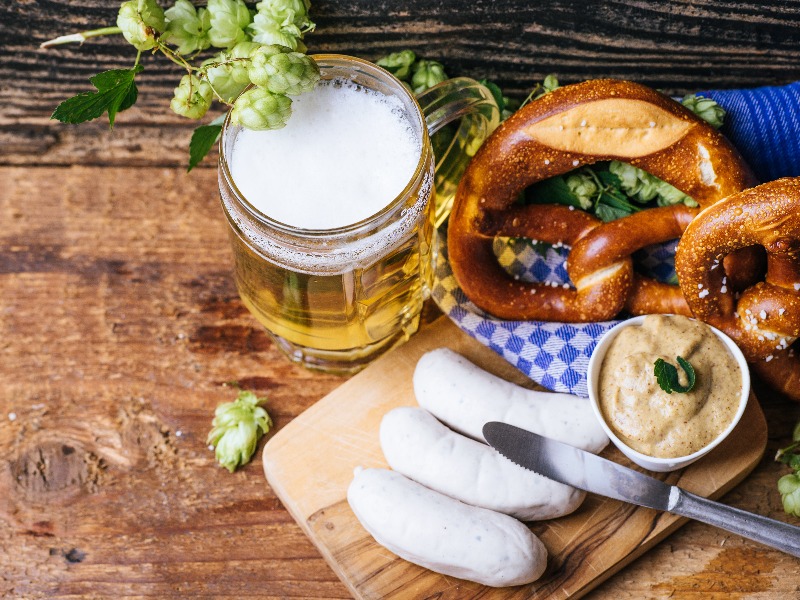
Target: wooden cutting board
<point>310,462</point>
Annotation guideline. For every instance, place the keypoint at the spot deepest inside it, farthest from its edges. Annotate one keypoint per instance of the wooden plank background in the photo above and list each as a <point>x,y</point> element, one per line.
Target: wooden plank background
<point>676,46</point>
<point>119,320</point>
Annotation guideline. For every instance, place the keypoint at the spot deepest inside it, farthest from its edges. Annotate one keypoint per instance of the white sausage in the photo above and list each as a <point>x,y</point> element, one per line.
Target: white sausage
<point>442,534</point>
<point>421,448</point>
<point>465,397</point>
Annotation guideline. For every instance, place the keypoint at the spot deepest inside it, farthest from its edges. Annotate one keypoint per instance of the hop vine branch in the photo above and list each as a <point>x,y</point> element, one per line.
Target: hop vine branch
<point>260,47</point>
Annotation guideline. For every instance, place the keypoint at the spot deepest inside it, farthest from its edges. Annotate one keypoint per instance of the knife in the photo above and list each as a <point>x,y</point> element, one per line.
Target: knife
<point>585,471</point>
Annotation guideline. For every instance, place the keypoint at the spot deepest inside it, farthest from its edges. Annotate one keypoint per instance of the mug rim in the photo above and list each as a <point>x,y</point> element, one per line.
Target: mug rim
<point>365,224</point>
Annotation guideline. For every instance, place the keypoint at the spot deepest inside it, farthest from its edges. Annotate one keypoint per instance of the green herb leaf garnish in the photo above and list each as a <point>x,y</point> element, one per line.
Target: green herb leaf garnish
<point>203,140</point>
<point>667,375</point>
<point>116,91</point>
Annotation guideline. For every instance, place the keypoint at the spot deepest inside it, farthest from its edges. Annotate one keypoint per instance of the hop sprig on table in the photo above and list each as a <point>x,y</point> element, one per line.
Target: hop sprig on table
<point>261,47</point>
<point>789,485</point>
<point>236,429</point>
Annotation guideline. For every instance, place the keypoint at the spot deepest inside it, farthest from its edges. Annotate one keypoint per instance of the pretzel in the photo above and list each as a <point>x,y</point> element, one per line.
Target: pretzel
<point>572,126</point>
<point>765,320</point>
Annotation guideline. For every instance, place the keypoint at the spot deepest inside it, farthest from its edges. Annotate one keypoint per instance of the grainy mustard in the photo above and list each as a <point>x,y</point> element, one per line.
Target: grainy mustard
<point>647,418</point>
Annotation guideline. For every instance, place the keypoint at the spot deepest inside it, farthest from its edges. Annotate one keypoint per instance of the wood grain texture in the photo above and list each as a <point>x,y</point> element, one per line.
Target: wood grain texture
<point>119,320</point>
<point>677,46</point>
<point>119,323</point>
<point>585,547</point>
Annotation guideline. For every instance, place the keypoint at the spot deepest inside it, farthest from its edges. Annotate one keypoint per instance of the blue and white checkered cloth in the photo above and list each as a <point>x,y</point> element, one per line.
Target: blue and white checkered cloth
<point>763,123</point>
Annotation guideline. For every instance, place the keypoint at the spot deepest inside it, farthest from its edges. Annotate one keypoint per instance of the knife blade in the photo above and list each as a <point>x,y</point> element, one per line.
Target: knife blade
<point>583,470</point>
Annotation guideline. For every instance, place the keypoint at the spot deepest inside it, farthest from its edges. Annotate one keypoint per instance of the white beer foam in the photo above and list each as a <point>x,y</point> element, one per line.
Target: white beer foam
<point>341,255</point>
<point>345,153</point>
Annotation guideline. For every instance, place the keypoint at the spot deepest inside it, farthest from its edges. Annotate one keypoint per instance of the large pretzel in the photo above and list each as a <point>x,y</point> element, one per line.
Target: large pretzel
<point>579,125</point>
<point>765,321</point>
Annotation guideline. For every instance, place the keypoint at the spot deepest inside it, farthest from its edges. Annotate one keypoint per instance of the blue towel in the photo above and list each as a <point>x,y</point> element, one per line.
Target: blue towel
<point>763,123</point>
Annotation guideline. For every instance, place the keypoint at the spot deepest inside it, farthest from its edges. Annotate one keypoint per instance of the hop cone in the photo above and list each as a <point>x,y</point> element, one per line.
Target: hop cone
<point>221,77</point>
<point>550,83</point>
<point>192,97</point>
<point>705,108</point>
<point>188,27</point>
<point>283,72</point>
<point>281,22</point>
<point>641,186</point>
<point>789,487</point>
<point>398,63</point>
<point>584,188</point>
<point>260,109</point>
<point>237,427</point>
<point>239,67</point>
<point>139,21</point>
<point>229,18</point>
<point>427,73</point>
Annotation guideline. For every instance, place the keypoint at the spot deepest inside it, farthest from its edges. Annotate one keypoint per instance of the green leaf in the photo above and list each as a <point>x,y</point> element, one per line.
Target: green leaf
<point>607,213</point>
<point>497,93</point>
<point>667,375</point>
<point>608,178</point>
<point>552,191</point>
<point>130,99</point>
<point>116,91</point>
<point>203,139</point>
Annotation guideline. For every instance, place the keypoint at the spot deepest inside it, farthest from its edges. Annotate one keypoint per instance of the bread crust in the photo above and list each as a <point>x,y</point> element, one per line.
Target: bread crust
<point>572,126</point>
<point>765,319</point>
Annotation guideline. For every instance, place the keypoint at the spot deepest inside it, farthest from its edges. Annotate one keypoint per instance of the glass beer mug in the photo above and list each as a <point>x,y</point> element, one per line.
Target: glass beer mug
<point>335,298</point>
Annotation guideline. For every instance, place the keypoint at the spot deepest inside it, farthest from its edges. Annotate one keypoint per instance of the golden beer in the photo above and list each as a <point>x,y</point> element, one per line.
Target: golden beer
<point>333,298</point>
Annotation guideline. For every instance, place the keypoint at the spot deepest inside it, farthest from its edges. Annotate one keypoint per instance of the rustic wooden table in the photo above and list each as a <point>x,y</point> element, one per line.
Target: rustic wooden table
<point>120,323</point>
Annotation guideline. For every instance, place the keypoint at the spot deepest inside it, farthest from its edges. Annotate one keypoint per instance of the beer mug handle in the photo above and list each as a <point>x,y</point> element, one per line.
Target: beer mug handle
<point>453,99</point>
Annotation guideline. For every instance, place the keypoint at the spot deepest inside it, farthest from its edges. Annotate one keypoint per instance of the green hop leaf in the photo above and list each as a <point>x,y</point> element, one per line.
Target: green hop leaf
<point>427,73</point>
<point>705,108</point>
<point>283,72</point>
<point>187,27</point>
<point>789,487</point>
<point>116,91</point>
<point>260,109</point>
<point>236,429</point>
<point>398,63</point>
<point>667,375</point>
<point>203,139</point>
<point>551,191</point>
<point>584,188</point>
<point>229,19</point>
<point>141,21</point>
<point>282,22</point>
<point>504,103</point>
<point>192,97</point>
<point>219,73</point>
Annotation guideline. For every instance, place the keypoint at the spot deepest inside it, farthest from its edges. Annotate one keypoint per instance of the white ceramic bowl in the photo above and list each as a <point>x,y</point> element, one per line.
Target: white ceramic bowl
<point>650,462</point>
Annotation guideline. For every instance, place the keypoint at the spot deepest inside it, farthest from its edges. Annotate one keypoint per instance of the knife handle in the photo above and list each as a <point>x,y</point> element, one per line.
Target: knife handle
<point>769,532</point>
